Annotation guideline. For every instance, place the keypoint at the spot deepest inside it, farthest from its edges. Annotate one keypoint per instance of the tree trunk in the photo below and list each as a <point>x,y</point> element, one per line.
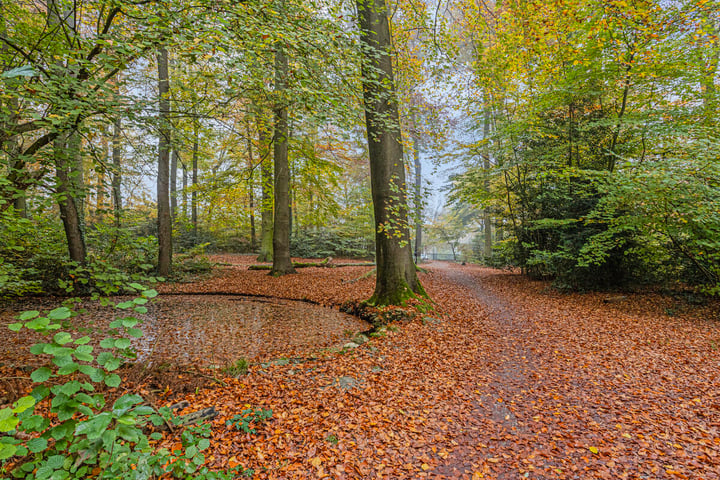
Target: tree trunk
<point>251,186</point>
<point>266,179</point>
<point>117,171</point>
<point>487,222</point>
<point>173,183</point>
<point>101,182</point>
<point>193,195</point>
<point>396,279</point>
<point>67,198</point>
<point>184,189</point>
<point>163,196</point>
<point>282,263</point>
<point>418,197</point>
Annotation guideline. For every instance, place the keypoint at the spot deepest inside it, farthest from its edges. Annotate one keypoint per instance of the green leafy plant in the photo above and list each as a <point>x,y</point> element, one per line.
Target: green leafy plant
<point>248,417</point>
<point>65,430</point>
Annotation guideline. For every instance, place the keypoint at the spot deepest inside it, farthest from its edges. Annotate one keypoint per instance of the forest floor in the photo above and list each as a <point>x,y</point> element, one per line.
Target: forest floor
<point>506,379</point>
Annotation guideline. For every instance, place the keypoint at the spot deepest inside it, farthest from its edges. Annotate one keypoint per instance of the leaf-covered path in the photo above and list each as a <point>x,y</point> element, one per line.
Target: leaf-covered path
<point>512,381</point>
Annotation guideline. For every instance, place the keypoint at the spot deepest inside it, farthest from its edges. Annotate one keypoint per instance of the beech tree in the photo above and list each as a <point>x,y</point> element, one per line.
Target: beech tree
<point>396,279</point>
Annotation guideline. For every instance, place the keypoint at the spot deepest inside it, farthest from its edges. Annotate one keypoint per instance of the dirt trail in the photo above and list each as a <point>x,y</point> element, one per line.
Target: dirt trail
<point>572,388</point>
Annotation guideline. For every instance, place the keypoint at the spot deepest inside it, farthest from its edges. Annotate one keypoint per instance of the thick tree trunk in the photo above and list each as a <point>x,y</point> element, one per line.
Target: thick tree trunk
<point>266,179</point>
<point>117,172</point>
<point>396,276</point>
<point>163,193</point>
<point>282,263</point>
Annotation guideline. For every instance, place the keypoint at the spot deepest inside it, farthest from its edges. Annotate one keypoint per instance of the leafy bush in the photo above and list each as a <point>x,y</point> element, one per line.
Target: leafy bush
<point>328,243</point>
<point>80,436</point>
<point>247,417</point>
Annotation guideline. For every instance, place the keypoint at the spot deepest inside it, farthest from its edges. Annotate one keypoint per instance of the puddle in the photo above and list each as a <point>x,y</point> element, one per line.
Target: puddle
<point>212,330</point>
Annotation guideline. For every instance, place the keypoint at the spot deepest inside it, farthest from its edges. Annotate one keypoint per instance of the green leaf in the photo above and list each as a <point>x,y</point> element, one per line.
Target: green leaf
<point>95,374</point>
<point>203,444</point>
<point>38,348</point>
<point>122,343</point>
<point>68,369</point>
<point>136,286</point>
<point>140,301</point>
<point>37,445</point>
<point>152,293</point>
<point>129,322</point>
<point>140,309</point>
<point>40,375</point>
<point>82,340</point>
<point>123,403</point>
<point>39,323</point>
<point>23,404</point>
<point>8,420</point>
<point>61,338</point>
<point>107,342</point>
<point>134,332</point>
<point>60,313</point>
<point>15,327</point>
<point>125,305</point>
<point>29,315</point>
<point>7,451</point>
<point>113,380</point>
<point>94,427</point>
<point>22,71</point>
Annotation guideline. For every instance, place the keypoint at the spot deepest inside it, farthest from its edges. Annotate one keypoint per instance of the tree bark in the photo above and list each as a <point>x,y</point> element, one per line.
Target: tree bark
<point>67,199</point>
<point>173,183</point>
<point>396,279</point>
<point>163,196</point>
<point>184,189</point>
<point>193,195</point>
<point>282,263</point>
<point>251,184</point>
<point>418,197</point>
<point>266,179</point>
<point>117,171</point>
<point>487,222</point>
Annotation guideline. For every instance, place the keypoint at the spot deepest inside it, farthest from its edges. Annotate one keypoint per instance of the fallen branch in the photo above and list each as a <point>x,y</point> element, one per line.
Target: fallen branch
<point>327,263</point>
<point>361,277</point>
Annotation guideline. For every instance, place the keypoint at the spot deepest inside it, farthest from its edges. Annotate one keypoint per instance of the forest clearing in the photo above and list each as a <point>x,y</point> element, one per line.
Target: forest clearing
<point>462,239</point>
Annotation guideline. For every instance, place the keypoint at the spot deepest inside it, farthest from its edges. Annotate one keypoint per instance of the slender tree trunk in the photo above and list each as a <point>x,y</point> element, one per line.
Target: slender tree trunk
<point>184,190</point>
<point>117,171</point>
<point>418,197</point>
<point>163,194</point>
<point>173,183</point>
<point>266,180</point>
<point>67,199</point>
<point>282,264</point>
<point>193,195</point>
<point>396,278</point>
<point>487,221</point>
<point>251,186</point>
<point>101,182</point>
